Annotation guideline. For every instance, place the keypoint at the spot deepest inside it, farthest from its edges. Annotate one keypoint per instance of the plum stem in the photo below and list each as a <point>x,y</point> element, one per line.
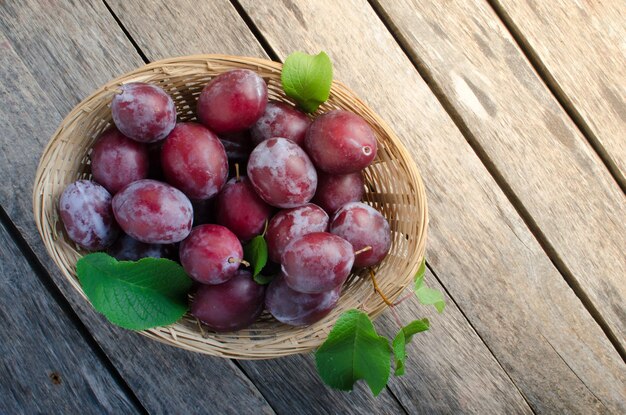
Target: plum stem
<point>385,299</point>
<point>237,172</point>
<point>360,251</point>
<point>232,260</point>
<point>118,91</point>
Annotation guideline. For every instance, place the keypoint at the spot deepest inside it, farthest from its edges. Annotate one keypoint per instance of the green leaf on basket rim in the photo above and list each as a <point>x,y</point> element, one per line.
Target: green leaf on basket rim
<point>354,351</point>
<point>427,295</point>
<point>138,295</point>
<point>403,337</point>
<point>307,79</point>
<point>255,252</point>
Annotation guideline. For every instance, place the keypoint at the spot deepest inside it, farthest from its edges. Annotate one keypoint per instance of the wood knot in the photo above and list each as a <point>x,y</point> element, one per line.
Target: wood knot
<point>55,378</point>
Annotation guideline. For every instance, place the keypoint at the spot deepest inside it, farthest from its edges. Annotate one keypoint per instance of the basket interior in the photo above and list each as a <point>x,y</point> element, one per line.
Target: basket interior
<point>393,186</point>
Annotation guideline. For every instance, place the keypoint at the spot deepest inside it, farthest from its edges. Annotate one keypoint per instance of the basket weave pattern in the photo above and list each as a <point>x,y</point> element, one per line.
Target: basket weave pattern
<point>393,186</point>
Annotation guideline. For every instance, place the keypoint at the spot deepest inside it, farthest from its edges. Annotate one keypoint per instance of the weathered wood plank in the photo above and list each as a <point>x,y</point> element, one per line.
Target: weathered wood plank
<point>460,373</point>
<point>71,48</point>
<point>162,377</point>
<point>449,368</point>
<point>292,386</point>
<point>46,363</point>
<point>579,46</point>
<point>478,245</point>
<point>529,139</point>
<point>165,29</point>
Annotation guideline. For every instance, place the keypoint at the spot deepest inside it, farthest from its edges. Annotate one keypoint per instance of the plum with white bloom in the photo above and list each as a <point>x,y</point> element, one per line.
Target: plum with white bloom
<point>282,173</point>
<point>317,262</point>
<point>143,112</point>
<point>153,212</point>
<point>363,226</point>
<point>85,209</point>
<point>289,224</point>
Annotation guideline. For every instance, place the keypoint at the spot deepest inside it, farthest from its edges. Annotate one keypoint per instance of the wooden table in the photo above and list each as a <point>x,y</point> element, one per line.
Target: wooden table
<point>514,111</point>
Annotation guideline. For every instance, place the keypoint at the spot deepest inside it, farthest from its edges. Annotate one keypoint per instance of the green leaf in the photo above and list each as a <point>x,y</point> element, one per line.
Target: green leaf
<point>353,351</point>
<point>427,295</point>
<point>307,79</point>
<point>403,337</point>
<point>263,279</point>
<point>421,271</point>
<point>138,295</point>
<point>268,273</point>
<point>255,252</point>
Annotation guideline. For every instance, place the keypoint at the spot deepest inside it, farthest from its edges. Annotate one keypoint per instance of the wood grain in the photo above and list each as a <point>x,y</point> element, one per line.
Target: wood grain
<point>579,46</point>
<point>45,361</point>
<point>458,372</point>
<point>292,386</point>
<point>479,247</point>
<point>165,29</point>
<point>531,142</point>
<point>449,368</point>
<point>162,377</point>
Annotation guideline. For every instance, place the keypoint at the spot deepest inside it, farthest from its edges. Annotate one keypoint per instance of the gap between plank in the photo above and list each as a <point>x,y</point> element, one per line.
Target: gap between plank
<point>576,374</point>
<point>255,31</point>
<point>519,207</point>
<point>236,362</point>
<point>480,337</point>
<point>46,279</point>
<point>395,398</point>
<point>564,101</point>
<point>128,36</point>
<point>243,370</point>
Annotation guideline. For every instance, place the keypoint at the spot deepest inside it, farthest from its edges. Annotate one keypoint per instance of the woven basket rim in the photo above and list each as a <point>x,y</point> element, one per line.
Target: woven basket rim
<point>177,335</point>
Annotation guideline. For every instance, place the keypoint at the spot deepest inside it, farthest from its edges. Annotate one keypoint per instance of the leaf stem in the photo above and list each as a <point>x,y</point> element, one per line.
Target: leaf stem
<point>395,315</point>
<point>404,298</point>
<point>232,260</point>
<point>360,251</point>
<point>385,299</point>
<point>265,228</point>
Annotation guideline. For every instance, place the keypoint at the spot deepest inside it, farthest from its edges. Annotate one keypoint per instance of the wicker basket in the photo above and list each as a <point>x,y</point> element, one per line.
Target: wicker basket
<point>393,186</point>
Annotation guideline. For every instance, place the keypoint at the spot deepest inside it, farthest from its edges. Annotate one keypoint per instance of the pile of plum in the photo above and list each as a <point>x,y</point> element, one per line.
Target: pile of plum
<point>154,179</point>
